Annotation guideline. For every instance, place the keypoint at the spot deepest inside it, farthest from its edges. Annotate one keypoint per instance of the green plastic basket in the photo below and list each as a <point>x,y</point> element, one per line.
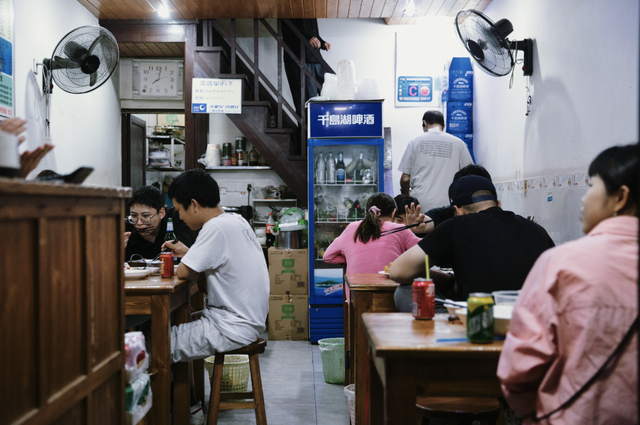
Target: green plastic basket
<point>332,354</point>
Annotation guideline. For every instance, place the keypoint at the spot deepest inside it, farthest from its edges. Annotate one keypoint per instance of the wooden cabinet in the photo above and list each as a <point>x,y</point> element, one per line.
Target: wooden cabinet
<point>61,303</point>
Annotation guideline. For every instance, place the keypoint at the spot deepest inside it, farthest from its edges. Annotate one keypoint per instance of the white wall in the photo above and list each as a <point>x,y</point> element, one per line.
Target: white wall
<point>584,99</point>
<point>370,43</point>
<point>84,128</point>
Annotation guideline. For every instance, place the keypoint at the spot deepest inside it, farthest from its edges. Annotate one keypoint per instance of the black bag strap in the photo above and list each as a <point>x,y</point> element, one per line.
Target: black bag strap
<point>586,386</point>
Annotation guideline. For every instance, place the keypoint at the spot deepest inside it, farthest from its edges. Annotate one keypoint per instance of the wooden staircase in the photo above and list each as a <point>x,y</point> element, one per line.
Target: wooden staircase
<point>280,137</point>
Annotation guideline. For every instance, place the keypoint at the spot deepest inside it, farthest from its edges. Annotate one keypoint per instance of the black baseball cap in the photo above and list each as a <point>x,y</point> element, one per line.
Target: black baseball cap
<point>461,190</point>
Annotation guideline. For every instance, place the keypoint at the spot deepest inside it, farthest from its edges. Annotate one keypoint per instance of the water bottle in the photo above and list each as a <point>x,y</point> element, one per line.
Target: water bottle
<point>320,170</point>
<point>268,228</point>
<point>331,169</point>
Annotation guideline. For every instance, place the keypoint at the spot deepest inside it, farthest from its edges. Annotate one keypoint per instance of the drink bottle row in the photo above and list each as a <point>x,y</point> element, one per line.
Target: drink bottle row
<point>333,170</point>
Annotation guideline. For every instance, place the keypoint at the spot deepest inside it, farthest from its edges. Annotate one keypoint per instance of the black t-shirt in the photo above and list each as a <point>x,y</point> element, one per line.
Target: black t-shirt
<point>492,250</point>
<point>138,245</point>
<point>440,215</point>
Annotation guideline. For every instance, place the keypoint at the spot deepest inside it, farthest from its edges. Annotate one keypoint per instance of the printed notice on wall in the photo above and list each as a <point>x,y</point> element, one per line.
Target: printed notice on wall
<point>216,96</point>
<point>7,98</point>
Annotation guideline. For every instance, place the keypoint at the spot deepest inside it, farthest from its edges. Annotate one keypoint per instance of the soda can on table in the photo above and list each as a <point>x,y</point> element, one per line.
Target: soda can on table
<point>167,264</point>
<point>480,318</point>
<point>423,299</point>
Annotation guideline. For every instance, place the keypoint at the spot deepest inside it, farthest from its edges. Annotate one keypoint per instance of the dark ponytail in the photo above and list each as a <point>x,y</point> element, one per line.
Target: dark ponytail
<point>370,227</point>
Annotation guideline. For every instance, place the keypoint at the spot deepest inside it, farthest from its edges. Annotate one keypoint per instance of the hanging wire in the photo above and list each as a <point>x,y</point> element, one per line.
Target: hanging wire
<point>516,61</point>
<point>528,87</point>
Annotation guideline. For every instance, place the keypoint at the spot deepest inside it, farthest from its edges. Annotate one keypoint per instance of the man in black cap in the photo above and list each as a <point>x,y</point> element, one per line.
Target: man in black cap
<point>489,249</point>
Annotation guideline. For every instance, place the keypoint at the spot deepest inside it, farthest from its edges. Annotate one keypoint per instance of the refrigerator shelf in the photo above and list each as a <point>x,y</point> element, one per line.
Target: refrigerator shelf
<point>347,184</point>
<point>336,221</point>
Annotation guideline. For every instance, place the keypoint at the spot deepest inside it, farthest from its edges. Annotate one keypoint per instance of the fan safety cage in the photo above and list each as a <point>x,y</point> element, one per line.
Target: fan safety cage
<point>74,80</point>
<point>484,42</point>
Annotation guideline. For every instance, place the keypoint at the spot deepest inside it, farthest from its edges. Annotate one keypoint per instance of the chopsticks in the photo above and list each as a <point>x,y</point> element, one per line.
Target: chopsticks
<point>165,250</point>
<point>400,229</point>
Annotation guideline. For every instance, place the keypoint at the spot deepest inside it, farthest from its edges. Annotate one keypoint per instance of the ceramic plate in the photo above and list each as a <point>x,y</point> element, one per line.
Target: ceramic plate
<point>136,273</point>
<point>384,273</point>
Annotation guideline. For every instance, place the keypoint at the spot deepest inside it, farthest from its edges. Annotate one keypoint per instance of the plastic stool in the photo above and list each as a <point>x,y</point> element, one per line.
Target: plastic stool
<point>454,410</point>
<point>217,403</point>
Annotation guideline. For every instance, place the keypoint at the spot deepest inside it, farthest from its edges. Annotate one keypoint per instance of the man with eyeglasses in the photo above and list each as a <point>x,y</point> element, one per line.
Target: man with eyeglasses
<point>430,162</point>
<point>146,225</point>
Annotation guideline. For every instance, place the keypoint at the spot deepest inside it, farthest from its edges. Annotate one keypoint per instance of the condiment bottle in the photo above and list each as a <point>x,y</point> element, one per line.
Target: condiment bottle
<point>253,157</point>
<point>234,159</point>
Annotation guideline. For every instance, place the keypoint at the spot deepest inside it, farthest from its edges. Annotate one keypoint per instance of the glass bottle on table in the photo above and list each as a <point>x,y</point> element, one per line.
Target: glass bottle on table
<point>170,236</point>
<point>341,176</point>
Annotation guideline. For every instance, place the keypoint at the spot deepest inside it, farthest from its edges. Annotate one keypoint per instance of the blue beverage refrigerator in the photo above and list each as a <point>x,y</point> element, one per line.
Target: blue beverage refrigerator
<point>354,130</point>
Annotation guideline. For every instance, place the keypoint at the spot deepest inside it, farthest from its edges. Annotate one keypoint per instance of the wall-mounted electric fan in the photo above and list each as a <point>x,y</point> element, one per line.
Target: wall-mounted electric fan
<point>488,44</point>
<point>82,61</point>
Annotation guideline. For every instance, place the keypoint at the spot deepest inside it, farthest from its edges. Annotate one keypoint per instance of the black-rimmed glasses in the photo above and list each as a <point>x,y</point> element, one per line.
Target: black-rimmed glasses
<point>144,218</point>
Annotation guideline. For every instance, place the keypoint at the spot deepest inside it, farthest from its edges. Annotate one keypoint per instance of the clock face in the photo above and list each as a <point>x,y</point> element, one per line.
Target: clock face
<point>158,79</point>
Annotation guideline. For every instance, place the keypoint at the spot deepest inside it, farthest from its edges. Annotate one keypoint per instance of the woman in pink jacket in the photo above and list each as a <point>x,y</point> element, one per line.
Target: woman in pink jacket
<point>570,356</point>
<point>360,244</point>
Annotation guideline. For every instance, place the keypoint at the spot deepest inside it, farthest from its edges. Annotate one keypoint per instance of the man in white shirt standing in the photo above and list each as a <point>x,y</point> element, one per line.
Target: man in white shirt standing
<point>430,162</point>
<point>226,253</point>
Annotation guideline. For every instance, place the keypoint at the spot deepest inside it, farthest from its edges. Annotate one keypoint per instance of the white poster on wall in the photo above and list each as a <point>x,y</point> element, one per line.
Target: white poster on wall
<point>420,78</point>
<point>216,96</point>
<point>7,54</point>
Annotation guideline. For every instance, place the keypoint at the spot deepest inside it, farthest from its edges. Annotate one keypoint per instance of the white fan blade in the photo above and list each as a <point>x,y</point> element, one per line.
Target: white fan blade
<point>64,63</point>
<point>95,43</point>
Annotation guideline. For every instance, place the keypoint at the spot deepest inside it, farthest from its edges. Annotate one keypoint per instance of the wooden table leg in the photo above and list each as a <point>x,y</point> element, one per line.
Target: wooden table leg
<point>376,395</point>
<point>360,303</point>
<point>197,302</point>
<point>347,341</point>
<point>160,357</point>
<point>399,394</point>
<point>181,402</point>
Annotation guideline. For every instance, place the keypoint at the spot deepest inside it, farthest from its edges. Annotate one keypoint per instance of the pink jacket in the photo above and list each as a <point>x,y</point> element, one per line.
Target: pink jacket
<point>372,256</point>
<point>575,307</point>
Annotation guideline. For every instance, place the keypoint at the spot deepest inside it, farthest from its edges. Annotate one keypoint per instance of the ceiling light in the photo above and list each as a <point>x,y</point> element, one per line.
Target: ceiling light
<point>411,9</point>
<point>163,12</point>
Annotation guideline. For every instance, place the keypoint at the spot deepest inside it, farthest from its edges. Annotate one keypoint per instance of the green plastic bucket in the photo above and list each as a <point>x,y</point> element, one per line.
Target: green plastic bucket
<point>332,354</point>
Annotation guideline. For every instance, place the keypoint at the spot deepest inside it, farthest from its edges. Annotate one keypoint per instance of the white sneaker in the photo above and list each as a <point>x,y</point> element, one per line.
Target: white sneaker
<point>197,415</point>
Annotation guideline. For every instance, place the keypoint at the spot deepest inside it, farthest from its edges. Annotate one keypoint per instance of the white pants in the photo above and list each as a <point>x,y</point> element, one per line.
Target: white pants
<point>199,339</point>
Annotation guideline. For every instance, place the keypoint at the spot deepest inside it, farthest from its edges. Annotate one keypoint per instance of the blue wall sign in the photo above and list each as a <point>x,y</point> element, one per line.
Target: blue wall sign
<point>335,119</point>
<point>415,89</point>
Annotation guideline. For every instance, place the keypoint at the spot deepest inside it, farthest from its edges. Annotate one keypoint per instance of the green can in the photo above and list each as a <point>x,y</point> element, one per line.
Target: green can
<point>480,318</point>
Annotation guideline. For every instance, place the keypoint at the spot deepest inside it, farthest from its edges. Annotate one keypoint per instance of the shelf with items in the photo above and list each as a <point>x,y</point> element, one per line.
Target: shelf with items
<point>261,209</point>
<point>160,158</point>
<point>374,184</point>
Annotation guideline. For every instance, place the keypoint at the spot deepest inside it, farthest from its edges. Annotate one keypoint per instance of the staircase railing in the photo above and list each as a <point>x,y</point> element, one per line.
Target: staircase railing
<point>283,106</point>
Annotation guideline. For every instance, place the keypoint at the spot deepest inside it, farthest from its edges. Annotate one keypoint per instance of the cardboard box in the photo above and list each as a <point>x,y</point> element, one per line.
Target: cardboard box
<point>289,271</point>
<point>288,317</point>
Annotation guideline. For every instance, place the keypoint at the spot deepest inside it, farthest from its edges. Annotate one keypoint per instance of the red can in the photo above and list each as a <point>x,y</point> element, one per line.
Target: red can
<point>423,299</point>
<point>167,264</point>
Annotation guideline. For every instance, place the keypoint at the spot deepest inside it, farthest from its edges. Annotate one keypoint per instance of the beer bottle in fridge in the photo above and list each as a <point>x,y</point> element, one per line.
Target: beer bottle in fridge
<point>357,175</point>
<point>340,172</point>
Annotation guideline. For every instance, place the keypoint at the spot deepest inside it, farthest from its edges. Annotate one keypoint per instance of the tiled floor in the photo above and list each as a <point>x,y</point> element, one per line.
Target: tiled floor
<point>294,389</point>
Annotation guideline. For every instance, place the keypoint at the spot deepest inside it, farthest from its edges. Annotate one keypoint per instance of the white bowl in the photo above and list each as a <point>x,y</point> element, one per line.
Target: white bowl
<point>451,308</point>
<point>501,318</point>
<point>505,297</point>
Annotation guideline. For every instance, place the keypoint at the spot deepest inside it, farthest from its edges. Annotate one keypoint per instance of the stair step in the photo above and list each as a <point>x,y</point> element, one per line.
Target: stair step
<point>236,77</point>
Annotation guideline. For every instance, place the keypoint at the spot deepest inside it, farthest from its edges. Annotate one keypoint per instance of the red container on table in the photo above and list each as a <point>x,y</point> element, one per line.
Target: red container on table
<point>167,264</point>
<point>423,299</point>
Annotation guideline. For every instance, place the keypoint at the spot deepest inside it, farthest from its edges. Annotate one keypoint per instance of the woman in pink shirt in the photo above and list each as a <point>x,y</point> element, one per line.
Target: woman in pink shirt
<point>362,247</point>
<point>570,356</point>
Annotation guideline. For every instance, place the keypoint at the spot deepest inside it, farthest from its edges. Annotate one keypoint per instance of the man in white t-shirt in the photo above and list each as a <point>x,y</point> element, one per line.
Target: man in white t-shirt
<point>226,253</point>
<point>430,162</point>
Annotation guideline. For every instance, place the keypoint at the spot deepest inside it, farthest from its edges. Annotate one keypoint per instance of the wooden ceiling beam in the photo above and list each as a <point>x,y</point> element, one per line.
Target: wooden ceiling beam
<point>148,31</point>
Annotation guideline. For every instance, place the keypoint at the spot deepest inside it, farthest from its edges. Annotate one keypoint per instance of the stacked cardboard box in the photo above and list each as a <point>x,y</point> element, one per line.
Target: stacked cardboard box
<point>288,299</point>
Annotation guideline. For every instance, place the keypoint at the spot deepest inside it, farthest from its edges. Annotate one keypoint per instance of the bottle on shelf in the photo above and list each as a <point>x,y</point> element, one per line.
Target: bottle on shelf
<point>340,172</point>
<point>234,159</point>
<point>253,156</point>
<point>268,228</point>
<point>331,169</point>
<point>357,174</point>
<point>320,170</point>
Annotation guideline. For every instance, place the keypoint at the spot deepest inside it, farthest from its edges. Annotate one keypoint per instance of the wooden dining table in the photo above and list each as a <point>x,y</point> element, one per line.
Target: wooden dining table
<point>364,293</point>
<point>160,298</point>
<point>430,355</point>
